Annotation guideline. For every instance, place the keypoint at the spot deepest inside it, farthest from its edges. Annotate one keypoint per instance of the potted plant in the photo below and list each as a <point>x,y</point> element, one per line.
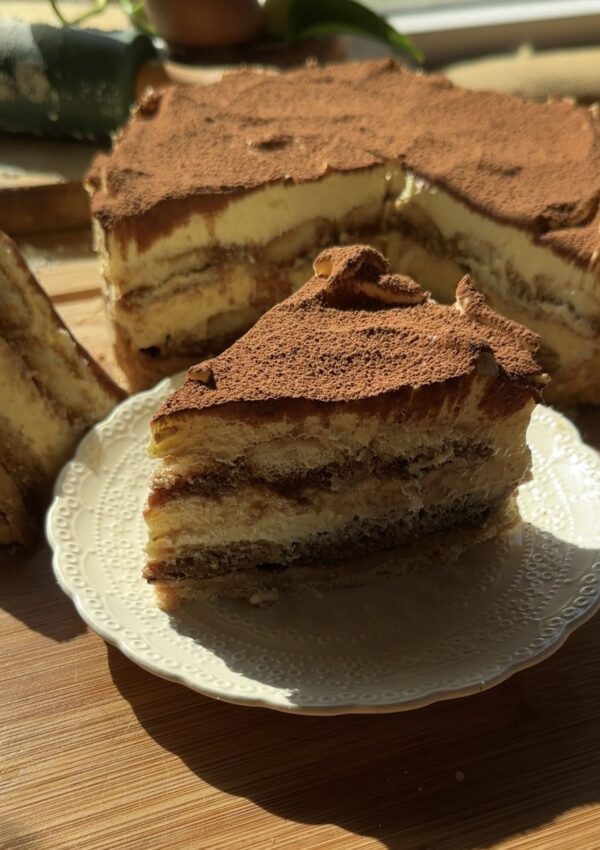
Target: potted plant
<point>246,31</point>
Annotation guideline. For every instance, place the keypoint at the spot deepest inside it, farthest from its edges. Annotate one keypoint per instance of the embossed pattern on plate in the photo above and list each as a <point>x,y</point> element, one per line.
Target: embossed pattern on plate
<point>388,647</point>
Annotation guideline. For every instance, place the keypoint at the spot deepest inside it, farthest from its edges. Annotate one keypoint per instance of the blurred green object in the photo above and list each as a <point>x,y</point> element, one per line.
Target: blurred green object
<point>96,9</point>
<point>297,19</point>
<point>61,81</point>
<point>134,11</point>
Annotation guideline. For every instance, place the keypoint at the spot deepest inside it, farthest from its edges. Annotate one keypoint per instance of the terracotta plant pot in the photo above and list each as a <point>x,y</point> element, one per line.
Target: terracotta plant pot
<point>206,23</point>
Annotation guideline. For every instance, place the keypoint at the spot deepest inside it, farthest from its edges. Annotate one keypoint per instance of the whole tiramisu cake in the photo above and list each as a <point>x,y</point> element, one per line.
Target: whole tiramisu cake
<point>216,198</point>
<point>357,430</point>
<point>51,391</point>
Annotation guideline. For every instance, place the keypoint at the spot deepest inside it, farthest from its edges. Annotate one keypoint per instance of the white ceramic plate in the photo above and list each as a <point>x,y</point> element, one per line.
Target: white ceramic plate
<point>389,647</point>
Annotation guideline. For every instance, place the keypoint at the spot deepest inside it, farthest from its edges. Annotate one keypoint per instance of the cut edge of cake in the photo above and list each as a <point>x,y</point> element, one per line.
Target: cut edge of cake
<point>51,392</point>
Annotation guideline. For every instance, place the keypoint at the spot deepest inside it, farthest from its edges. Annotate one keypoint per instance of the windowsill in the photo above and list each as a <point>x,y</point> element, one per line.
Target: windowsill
<point>461,30</point>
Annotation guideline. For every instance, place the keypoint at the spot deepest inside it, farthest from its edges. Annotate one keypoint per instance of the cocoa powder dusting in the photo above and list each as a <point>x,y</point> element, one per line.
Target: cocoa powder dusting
<point>534,165</point>
<point>318,348</point>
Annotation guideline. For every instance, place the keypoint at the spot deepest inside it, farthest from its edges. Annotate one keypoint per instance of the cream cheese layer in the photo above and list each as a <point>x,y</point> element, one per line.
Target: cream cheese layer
<point>255,513</point>
<point>497,254</point>
<point>504,259</point>
<point>250,220</point>
<point>195,442</point>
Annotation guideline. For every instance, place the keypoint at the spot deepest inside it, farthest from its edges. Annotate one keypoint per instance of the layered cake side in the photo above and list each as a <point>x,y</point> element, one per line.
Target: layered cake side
<point>216,197</point>
<point>51,391</point>
<point>357,429</point>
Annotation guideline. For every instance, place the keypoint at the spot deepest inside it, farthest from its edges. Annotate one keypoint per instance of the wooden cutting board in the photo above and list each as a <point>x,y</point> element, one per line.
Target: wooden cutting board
<point>41,187</point>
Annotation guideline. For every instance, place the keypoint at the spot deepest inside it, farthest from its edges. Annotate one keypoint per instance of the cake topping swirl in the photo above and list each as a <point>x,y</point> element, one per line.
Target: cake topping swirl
<point>359,276</point>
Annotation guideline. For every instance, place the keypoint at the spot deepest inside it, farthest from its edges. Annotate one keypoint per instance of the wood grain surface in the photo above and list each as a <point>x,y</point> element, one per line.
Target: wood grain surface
<point>97,754</point>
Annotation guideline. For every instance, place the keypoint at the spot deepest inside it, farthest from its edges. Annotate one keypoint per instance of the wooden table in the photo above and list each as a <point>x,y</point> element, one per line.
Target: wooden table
<point>97,753</point>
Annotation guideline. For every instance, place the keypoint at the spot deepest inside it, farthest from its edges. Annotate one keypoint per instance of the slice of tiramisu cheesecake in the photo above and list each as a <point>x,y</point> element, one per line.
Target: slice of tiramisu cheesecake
<point>216,198</point>
<point>51,391</point>
<point>357,430</point>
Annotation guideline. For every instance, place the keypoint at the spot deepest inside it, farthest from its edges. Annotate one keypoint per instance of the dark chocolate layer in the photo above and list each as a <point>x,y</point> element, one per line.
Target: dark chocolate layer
<point>363,536</point>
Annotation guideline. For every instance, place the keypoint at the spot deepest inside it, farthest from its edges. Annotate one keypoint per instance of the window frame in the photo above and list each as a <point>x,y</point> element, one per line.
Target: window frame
<point>450,31</point>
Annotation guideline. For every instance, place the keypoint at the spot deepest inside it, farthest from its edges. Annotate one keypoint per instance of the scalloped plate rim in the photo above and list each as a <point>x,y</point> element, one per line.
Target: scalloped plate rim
<point>430,698</point>
<point>274,702</point>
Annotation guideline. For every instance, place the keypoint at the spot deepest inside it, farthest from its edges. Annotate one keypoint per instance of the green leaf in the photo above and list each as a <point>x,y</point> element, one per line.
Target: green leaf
<point>96,9</point>
<point>136,13</point>
<point>321,17</point>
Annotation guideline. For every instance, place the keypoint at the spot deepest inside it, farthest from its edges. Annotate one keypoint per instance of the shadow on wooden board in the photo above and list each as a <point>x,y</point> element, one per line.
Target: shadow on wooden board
<point>454,776</point>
